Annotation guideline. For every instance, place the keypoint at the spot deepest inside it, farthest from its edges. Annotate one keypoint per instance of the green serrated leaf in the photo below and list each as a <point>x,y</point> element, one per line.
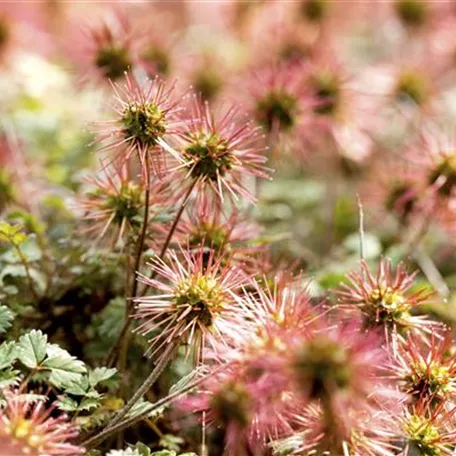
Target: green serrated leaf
<point>100,374</point>
<point>6,318</point>
<point>8,354</point>
<point>9,378</point>
<point>32,348</point>
<point>66,370</point>
<point>67,404</point>
<point>89,403</point>
<point>171,442</point>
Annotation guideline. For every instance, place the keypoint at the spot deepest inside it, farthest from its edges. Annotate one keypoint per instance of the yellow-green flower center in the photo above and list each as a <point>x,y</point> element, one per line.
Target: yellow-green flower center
<point>143,124</point>
<point>204,295</point>
<point>411,86</point>
<point>422,436</point>
<point>208,155</point>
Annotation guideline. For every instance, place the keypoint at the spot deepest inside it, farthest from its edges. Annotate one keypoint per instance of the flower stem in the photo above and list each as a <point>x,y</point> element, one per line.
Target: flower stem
<point>148,383</point>
<point>122,341</point>
<point>112,355</point>
<point>130,421</point>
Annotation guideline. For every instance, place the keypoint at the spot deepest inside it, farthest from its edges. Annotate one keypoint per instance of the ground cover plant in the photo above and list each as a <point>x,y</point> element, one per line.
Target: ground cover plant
<point>227,228</point>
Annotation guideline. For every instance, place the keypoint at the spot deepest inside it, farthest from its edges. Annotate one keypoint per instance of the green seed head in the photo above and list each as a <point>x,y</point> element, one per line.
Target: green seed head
<point>209,156</point>
<point>207,83</point>
<point>327,91</point>
<point>412,12</point>
<point>211,236</point>
<point>277,108</point>
<point>422,436</point>
<point>397,193</point>
<point>143,124</point>
<point>324,364</point>
<point>412,87</point>
<point>204,295</point>
<point>428,381</point>
<point>232,405</point>
<point>113,61</point>
<point>386,305</point>
<point>4,32</point>
<point>159,58</point>
<point>314,10</point>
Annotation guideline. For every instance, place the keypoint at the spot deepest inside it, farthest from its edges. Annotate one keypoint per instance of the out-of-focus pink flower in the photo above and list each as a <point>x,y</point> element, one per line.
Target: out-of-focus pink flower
<point>385,299</point>
<point>27,428</point>
<point>392,187</point>
<point>342,115</point>
<point>367,432</point>
<point>281,104</point>
<point>217,151</point>
<point>204,225</point>
<point>197,306</point>
<point>107,50</point>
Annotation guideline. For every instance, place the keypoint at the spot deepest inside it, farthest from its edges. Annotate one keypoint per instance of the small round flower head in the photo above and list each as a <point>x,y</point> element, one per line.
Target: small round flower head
<point>427,372</point>
<point>342,115</point>
<point>428,430</point>
<point>391,188</point>
<point>157,46</point>
<point>217,151</point>
<point>339,365</point>
<point>203,225</point>
<point>385,299</point>
<point>114,204</point>
<point>435,153</point>
<point>442,173</point>
<point>229,403</point>
<point>146,114</point>
<point>412,13</point>
<point>27,428</point>
<point>197,304</point>
<point>247,400</point>
<point>280,103</point>
<point>366,433</point>
<point>109,50</point>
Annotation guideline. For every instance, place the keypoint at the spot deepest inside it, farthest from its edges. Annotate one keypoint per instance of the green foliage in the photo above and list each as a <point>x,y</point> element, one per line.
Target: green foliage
<point>6,318</point>
<point>12,234</point>
<point>32,348</point>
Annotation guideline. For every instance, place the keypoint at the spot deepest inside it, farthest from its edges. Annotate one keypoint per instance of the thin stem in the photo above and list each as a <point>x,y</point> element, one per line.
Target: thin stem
<point>27,272</point>
<point>122,341</point>
<point>101,436</point>
<point>113,352</point>
<point>148,383</point>
<point>176,220</point>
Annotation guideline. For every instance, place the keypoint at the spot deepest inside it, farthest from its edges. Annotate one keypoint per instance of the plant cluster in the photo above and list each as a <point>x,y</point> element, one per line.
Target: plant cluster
<point>227,228</point>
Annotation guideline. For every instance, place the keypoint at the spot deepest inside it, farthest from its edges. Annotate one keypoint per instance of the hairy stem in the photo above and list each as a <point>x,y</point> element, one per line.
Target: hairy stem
<point>148,383</point>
